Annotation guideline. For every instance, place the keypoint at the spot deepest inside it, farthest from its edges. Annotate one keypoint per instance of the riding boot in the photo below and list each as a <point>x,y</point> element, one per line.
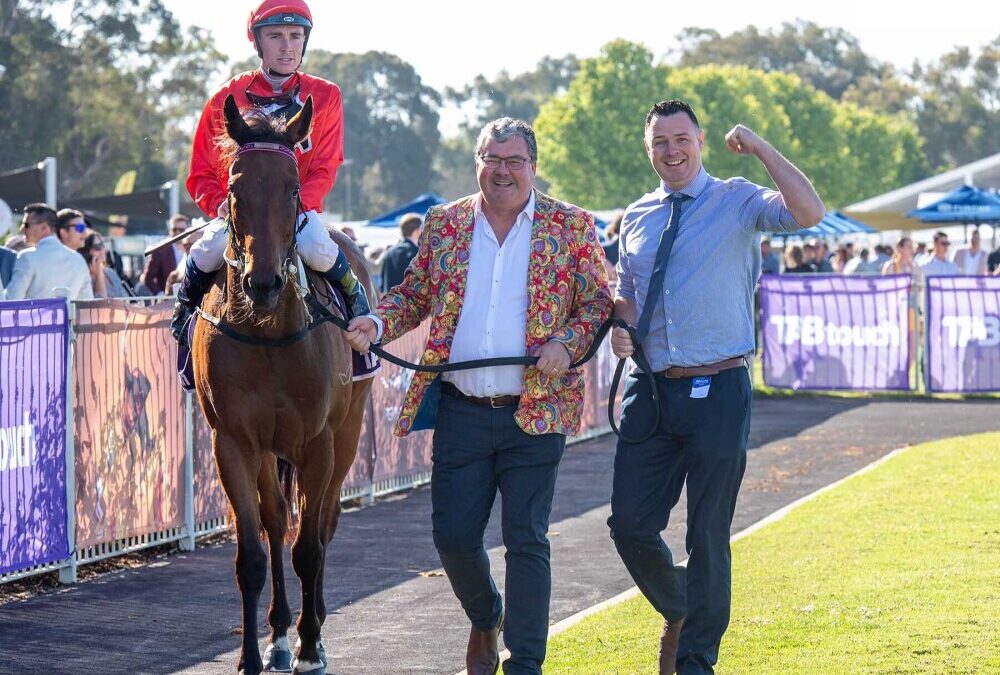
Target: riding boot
<point>342,275</point>
<point>193,289</point>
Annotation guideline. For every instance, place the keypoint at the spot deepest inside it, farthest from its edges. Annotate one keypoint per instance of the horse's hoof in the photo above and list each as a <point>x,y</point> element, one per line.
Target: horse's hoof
<point>308,668</point>
<point>319,647</point>
<point>277,660</point>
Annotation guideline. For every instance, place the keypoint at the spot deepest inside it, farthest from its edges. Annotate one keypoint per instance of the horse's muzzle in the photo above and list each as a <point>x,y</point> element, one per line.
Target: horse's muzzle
<point>263,293</point>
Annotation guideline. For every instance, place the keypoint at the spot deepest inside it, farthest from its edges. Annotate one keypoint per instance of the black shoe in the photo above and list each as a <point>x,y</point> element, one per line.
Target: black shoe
<point>193,288</point>
<point>179,324</point>
<point>342,275</point>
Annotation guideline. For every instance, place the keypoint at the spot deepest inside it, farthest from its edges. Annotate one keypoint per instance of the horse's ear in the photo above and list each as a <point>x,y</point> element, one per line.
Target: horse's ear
<point>298,127</point>
<point>236,126</point>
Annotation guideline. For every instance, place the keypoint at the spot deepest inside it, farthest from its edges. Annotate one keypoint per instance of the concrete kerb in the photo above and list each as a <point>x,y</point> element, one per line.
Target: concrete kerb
<point>570,621</point>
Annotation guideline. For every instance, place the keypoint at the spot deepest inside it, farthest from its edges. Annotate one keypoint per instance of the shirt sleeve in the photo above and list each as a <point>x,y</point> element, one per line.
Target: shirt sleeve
<point>626,285</point>
<point>327,152</point>
<point>20,278</point>
<point>762,209</point>
<point>206,181</point>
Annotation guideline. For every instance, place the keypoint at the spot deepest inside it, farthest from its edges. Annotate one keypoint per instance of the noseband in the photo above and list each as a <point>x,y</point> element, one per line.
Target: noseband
<point>238,261</point>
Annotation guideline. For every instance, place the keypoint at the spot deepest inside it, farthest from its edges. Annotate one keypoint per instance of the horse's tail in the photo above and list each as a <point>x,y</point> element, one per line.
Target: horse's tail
<point>287,479</point>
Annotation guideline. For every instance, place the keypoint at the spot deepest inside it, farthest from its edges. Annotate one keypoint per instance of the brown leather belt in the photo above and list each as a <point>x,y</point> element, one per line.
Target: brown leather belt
<point>485,401</point>
<point>703,371</point>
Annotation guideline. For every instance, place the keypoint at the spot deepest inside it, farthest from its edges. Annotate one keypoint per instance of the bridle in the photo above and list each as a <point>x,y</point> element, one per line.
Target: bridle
<point>238,261</point>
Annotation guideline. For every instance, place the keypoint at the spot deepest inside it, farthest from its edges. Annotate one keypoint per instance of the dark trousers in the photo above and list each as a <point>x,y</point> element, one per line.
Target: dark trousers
<point>477,451</point>
<point>702,442</point>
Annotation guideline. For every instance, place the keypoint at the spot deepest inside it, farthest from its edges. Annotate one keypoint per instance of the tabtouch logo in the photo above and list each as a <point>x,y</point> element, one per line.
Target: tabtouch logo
<point>959,331</point>
<point>812,331</point>
<point>17,446</point>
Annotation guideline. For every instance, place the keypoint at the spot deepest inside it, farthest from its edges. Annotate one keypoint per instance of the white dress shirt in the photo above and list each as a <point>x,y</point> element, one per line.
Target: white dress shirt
<point>40,270</point>
<point>494,314</point>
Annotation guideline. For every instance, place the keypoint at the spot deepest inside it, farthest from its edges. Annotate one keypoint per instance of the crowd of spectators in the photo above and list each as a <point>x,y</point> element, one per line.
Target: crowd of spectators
<point>34,262</point>
<point>815,257</point>
<point>58,254</point>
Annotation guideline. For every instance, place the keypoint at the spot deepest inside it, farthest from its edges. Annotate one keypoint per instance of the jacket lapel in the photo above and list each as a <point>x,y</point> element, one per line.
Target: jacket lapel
<point>465,221</point>
<point>543,248</point>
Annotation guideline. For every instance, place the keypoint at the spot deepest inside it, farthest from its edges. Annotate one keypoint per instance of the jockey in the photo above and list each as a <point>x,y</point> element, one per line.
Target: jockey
<point>280,31</point>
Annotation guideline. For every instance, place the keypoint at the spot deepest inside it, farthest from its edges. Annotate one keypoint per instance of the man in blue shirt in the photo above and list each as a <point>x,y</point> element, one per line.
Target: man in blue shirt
<point>700,331</point>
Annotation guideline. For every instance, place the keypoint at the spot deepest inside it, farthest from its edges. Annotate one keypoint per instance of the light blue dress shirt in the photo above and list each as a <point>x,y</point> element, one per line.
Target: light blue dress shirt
<point>705,312</point>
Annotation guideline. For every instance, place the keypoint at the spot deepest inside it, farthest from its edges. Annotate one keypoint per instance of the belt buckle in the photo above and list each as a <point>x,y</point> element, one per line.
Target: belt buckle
<point>493,402</point>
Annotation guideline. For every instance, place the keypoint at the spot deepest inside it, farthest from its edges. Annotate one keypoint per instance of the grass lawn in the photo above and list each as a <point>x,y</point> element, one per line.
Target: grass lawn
<point>895,571</point>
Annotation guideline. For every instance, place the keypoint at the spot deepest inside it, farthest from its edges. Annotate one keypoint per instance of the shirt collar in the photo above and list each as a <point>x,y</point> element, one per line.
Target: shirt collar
<point>527,212</point>
<point>692,189</point>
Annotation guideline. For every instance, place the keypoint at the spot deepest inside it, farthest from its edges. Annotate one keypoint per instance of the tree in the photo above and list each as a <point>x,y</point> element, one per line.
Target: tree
<point>959,108</point>
<point>390,130</point>
<point>953,100</point>
<point>103,97</point>
<point>590,138</point>
<point>519,96</point>
<point>591,143</point>
<point>487,99</point>
<point>830,59</point>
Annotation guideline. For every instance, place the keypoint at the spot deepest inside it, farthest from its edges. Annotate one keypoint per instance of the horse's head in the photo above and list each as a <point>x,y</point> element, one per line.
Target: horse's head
<point>263,198</point>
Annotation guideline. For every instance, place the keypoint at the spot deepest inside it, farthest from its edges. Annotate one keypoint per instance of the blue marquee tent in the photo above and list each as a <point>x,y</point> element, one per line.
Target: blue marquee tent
<point>834,224</point>
<point>967,204</point>
<point>419,205</point>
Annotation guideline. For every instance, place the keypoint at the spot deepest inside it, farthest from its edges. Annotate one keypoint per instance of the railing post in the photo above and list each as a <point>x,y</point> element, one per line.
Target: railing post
<point>67,574</point>
<point>188,543</point>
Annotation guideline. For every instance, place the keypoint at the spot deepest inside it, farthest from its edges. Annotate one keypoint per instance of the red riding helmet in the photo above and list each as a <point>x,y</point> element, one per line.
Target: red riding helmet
<point>279,13</point>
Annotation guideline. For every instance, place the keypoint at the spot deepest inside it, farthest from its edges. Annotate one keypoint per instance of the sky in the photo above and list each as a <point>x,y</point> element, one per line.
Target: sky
<point>450,42</point>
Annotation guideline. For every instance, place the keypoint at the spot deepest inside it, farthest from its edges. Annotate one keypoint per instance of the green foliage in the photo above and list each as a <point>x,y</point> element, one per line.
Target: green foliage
<point>486,99</point>
<point>959,109</point>
<point>892,572</point>
<point>954,100</point>
<point>849,153</point>
<point>590,139</point>
<point>830,59</point>
<point>118,91</point>
<point>518,96</point>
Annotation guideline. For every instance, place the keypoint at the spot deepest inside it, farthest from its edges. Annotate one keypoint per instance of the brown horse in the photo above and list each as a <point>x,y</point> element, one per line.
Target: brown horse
<point>263,401</point>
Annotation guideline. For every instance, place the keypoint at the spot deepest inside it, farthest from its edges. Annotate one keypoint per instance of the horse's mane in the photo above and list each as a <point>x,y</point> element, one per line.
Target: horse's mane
<point>264,128</point>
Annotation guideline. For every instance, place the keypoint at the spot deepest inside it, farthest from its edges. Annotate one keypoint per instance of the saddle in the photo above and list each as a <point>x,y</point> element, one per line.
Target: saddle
<point>329,296</point>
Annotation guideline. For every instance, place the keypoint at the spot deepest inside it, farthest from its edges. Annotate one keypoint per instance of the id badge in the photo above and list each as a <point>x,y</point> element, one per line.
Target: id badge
<point>700,386</point>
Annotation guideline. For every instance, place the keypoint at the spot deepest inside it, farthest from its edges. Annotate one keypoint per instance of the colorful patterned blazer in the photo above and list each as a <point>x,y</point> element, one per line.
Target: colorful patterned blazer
<point>568,299</point>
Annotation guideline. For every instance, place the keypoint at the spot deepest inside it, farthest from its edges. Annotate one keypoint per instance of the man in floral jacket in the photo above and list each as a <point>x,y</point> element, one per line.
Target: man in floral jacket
<point>505,272</point>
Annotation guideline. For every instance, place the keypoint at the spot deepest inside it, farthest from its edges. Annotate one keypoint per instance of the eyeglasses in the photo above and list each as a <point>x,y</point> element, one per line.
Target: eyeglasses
<point>513,163</point>
<point>944,243</point>
<point>80,227</point>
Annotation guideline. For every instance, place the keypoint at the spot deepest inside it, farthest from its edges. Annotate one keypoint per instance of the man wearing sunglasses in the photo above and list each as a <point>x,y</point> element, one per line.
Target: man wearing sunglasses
<point>937,264</point>
<point>280,32</point>
<point>71,229</point>
<point>48,268</point>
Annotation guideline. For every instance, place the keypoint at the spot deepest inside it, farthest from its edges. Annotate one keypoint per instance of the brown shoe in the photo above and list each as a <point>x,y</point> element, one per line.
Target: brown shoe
<point>668,646</point>
<point>483,655</point>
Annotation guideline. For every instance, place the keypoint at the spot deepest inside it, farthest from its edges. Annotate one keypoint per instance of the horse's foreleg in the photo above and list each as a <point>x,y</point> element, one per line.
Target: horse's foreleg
<point>274,517</point>
<point>238,472</point>
<point>307,551</point>
<point>345,448</point>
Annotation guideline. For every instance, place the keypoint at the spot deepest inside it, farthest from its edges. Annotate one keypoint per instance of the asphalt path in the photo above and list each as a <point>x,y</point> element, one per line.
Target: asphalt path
<point>392,611</point>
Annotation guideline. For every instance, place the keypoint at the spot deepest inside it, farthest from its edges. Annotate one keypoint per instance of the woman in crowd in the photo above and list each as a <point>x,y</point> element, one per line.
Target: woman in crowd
<point>107,283</point>
<point>795,261</point>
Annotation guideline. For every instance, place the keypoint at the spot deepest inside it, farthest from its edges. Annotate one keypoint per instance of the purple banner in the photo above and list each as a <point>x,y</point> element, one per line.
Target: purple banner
<point>833,332</point>
<point>33,339</point>
<point>963,334</point>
